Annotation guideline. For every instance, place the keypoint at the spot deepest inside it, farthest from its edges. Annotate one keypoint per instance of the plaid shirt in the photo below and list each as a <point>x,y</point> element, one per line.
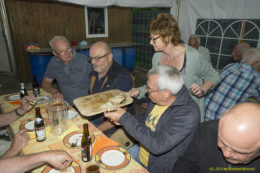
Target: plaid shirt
<point>238,82</point>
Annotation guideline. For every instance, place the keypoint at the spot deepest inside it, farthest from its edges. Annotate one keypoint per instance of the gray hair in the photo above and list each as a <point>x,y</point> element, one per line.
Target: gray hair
<point>56,38</point>
<point>195,37</point>
<point>251,56</point>
<point>169,78</point>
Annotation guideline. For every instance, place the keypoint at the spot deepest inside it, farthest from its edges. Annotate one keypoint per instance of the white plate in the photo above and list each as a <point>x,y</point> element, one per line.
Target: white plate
<point>29,125</point>
<point>112,158</point>
<point>14,97</point>
<point>68,170</point>
<point>75,138</point>
<point>43,99</point>
<point>72,114</point>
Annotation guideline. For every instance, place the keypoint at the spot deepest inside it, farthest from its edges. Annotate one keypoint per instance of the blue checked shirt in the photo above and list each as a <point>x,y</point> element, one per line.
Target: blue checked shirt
<point>238,82</point>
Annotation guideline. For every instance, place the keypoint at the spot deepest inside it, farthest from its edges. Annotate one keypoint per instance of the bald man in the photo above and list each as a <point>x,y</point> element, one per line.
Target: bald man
<point>106,75</point>
<point>194,41</point>
<point>239,50</point>
<point>231,144</point>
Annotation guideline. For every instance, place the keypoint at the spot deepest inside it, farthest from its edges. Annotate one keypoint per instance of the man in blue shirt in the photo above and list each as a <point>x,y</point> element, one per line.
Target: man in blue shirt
<point>107,75</point>
<point>239,82</point>
<point>70,69</point>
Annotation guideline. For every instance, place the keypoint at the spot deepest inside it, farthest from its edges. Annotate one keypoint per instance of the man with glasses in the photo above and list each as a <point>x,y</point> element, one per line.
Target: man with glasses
<point>169,124</point>
<point>70,69</point>
<point>231,144</point>
<point>107,75</point>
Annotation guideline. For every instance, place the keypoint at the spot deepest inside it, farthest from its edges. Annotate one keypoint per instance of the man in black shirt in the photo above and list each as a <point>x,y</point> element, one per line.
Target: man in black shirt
<point>231,144</point>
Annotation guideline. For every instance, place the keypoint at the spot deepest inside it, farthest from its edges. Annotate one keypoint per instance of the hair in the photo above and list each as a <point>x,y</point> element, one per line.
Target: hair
<point>56,38</point>
<point>169,78</point>
<point>251,56</point>
<point>165,25</point>
<point>194,37</point>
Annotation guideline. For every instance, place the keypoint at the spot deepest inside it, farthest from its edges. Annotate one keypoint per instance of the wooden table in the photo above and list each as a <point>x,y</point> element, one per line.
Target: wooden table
<point>57,143</point>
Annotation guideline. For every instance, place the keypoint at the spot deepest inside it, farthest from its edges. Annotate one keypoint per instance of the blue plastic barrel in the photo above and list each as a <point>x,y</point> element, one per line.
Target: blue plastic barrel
<point>85,52</point>
<point>118,55</point>
<point>129,54</point>
<point>38,64</point>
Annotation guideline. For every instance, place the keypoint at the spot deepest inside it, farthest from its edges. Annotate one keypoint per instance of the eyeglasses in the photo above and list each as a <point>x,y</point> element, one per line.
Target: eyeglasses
<point>148,91</point>
<point>90,59</point>
<point>153,39</point>
<point>64,51</point>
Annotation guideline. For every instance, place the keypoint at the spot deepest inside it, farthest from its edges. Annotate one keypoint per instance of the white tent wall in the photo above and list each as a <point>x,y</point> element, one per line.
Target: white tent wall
<point>191,10</point>
<point>122,3</point>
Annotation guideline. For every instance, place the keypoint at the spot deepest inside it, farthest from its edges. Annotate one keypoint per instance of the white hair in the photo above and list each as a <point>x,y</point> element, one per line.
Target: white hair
<point>251,56</point>
<point>56,38</point>
<point>169,78</point>
<point>195,37</point>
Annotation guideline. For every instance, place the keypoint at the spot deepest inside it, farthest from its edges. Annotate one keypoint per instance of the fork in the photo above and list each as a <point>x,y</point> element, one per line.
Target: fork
<point>74,144</point>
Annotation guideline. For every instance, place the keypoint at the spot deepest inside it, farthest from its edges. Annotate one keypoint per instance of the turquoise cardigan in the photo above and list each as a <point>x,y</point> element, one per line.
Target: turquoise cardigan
<point>197,70</point>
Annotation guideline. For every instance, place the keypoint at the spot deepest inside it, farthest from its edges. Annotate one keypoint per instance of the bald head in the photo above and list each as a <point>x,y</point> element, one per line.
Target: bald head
<point>101,57</point>
<point>239,50</point>
<point>101,45</point>
<point>239,129</point>
<point>194,41</point>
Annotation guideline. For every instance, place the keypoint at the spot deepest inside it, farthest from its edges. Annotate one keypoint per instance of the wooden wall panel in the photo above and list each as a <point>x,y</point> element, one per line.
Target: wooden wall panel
<point>38,22</point>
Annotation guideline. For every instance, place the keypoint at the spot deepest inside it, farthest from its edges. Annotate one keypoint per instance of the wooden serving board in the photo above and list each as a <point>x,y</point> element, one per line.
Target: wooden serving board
<point>100,102</point>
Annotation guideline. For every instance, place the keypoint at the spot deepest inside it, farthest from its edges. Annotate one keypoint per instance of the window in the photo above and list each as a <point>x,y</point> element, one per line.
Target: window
<point>96,22</point>
<point>221,35</point>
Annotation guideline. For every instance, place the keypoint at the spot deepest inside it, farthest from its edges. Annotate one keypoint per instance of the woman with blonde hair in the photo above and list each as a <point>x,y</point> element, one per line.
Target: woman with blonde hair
<point>199,76</point>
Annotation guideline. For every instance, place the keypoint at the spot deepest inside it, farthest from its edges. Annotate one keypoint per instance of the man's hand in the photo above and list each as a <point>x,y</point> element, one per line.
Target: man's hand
<point>20,140</point>
<point>134,92</point>
<point>57,95</point>
<point>59,159</point>
<point>25,105</point>
<point>196,90</point>
<point>115,115</point>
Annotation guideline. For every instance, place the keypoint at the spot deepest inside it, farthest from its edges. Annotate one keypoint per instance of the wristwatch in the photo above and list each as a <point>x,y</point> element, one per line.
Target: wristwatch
<point>203,92</point>
<point>17,113</point>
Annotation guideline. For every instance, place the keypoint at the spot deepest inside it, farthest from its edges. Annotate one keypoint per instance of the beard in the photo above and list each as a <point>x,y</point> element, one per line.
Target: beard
<point>100,69</point>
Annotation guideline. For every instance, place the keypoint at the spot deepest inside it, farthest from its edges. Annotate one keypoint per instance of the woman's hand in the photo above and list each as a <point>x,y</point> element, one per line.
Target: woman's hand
<point>196,90</point>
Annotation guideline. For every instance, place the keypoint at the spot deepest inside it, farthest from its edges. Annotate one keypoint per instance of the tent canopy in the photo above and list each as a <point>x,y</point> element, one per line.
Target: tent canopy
<point>122,3</point>
<point>187,12</point>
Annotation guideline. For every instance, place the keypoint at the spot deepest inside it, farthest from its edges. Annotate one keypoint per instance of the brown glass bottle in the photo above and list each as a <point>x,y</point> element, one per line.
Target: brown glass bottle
<point>86,148</point>
<point>23,91</point>
<point>39,126</point>
<point>35,87</point>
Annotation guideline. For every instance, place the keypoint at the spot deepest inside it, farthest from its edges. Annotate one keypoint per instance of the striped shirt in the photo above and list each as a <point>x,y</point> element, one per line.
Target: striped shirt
<point>239,82</point>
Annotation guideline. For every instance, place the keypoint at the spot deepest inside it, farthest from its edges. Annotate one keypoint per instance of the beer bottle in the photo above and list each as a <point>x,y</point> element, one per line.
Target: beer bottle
<point>23,91</point>
<point>86,149</point>
<point>39,126</point>
<point>35,87</point>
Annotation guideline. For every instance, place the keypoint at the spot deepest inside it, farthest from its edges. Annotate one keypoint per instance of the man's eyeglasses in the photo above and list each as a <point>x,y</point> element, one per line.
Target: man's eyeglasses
<point>153,39</point>
<point>64,51</point>
<point>148,91</point>
<point>90,59</point>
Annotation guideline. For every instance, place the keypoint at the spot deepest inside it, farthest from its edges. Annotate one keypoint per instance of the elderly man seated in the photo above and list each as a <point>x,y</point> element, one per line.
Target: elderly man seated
<point>238,83</point>
<point>107,75</point>
<point>194,41</point>
<point>70,69</point>
<point>239,50</point>
<point>169,124</point>
<point>231,144</point>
